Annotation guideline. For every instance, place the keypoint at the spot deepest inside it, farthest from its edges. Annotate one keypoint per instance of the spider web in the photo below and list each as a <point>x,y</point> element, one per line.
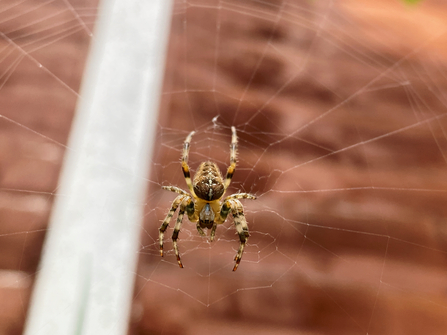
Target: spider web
<point>340,108</point>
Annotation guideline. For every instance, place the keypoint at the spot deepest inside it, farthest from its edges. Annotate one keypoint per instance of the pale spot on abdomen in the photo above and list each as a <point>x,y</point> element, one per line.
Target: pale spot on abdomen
<point>208,183</point>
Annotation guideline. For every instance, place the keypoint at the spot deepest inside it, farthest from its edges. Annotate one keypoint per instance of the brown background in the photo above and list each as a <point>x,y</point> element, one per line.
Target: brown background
<point>341,114</point>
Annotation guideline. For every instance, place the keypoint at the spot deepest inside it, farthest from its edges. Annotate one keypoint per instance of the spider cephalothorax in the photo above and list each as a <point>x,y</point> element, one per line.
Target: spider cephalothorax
<point>203,205</point>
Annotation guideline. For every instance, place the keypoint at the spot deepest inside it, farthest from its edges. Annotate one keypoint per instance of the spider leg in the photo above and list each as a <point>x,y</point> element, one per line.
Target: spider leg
<point>174,189</point>
<point>200,230</point>
<point>190,209</point>
<point>224,210</point>
<point>241,196</point>
<point>166,221</point>
<point>213,232</point>
<point>226,205</point>
<point>177,231</point>
<point>241,227</point>
<point>185,166</point>
<point>233,154</point>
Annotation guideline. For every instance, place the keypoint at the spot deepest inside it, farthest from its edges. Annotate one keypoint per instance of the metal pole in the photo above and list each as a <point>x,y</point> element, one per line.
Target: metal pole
<point>86,275</point>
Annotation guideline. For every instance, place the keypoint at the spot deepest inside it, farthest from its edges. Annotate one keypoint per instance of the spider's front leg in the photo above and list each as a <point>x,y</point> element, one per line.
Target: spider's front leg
<point>185,166</point>
<point>233,154</point>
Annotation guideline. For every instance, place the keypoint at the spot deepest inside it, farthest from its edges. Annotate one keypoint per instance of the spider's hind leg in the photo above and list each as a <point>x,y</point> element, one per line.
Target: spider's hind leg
<point>241,228</point>
<point>166,221</point>
<point>177,231</point>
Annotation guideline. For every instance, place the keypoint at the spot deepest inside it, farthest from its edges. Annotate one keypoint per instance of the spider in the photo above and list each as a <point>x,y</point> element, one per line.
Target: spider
<point>204,204</point>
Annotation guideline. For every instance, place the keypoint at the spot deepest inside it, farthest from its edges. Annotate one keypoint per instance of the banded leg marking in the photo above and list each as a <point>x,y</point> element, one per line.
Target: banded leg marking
<point>224,211</point>
<point>241,196</point>
<point>200,230</point>
<point>177,231</point>
<point>226,205</point>
<point>190,210</point>
<point>166,221</point>
<point>213,232</point>
<point>174,189</point>
<point>241,228</point>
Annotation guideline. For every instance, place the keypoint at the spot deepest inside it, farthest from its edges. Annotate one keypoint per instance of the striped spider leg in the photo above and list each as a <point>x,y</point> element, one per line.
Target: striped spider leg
<point>203,205</point>
<point>237,210</point>
<point>185,202</point>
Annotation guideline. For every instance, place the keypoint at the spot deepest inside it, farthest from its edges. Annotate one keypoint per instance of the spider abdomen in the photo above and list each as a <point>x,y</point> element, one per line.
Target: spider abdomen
<point>208,183</point>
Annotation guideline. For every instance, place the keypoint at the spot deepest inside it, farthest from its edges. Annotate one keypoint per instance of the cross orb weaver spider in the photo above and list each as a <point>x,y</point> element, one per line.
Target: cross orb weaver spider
<point>204,204</point>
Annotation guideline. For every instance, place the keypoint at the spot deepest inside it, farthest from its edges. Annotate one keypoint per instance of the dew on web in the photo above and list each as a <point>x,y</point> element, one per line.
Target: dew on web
<point>340,109</point>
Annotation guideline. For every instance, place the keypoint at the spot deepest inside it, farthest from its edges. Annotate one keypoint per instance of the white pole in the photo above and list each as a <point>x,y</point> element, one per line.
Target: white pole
<point>86,276</point>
